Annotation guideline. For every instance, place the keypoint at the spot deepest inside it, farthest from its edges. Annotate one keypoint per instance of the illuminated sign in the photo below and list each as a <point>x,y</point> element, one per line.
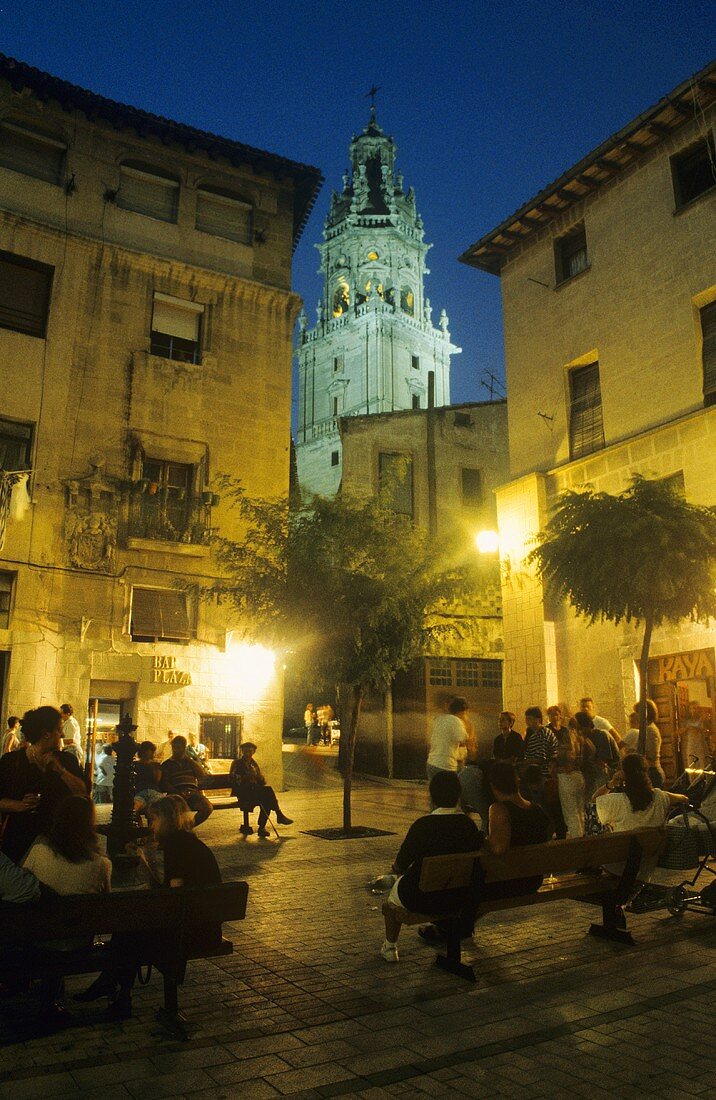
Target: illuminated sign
<point>165,671</point>
<point>697,664</point>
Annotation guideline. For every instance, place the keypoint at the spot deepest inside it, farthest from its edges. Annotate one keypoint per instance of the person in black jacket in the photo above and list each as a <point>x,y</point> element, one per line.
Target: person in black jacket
<point>445,831</point>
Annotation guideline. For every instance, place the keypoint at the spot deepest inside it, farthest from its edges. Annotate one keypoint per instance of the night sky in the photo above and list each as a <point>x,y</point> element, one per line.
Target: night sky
<point>488,102</point>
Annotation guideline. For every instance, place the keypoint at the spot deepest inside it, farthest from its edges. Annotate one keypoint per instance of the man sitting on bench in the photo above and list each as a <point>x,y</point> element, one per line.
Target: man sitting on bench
<point>445,831</point>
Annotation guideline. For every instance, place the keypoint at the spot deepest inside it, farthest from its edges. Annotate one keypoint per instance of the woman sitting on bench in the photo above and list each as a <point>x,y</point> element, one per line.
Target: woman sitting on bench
<point>251,789</point>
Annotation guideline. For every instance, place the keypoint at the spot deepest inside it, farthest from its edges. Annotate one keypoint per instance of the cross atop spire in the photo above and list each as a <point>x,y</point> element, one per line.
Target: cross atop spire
<point>371,94</point>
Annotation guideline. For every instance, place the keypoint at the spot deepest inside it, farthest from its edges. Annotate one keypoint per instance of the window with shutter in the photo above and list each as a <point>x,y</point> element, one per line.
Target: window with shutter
<point>31,153</point>
<point>570,254</point>
<point>693,171</point>
<point>6,584</point>
<point>223,215</point>
<point>24,294</point>
<point>15,445</point>
<point>708,352</point>
<point>145,190</point>
<point>586,428</point>
<point>395,478</point>
<point>159,615</point>
<point>176,329</point>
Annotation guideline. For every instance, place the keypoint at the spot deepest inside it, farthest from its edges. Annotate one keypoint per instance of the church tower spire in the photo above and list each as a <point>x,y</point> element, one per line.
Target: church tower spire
<point>374,342</point>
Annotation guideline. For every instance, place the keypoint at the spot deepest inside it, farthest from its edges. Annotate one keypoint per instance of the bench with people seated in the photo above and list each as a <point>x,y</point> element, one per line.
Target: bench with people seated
<point>162,923</point>
<point>579,864</point>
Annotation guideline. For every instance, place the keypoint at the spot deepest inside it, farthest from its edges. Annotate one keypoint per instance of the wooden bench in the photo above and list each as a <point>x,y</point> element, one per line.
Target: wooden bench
<point>568,858</point>
<point>174,914</point>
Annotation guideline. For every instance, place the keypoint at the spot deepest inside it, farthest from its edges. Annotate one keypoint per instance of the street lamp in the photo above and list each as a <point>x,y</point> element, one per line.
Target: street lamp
<point>487,542</point>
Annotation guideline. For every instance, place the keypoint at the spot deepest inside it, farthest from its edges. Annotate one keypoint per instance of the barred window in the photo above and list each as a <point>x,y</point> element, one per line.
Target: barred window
<point>570,254</point>
<point>586,426</point>
<point>440,672</point>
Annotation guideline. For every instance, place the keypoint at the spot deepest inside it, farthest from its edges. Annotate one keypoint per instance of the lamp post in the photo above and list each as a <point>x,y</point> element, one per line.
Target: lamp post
<point>122,829</point>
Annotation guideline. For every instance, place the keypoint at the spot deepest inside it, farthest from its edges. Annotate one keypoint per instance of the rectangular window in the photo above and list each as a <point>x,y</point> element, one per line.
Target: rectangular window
<point>159,615</point>
<point>335,406</point>
<point>395,480</point>
<point>416,401</point>
<point>471,488</point>
<point>440,672</point>
<point>415,362</point>
<point>31,153</point>
<point>6,583</point>
<point>586,428</point>
<point>147,191</point>
<point>165,507</point>
<point>176,329</point>
<point>570,254</point>
<point>708,352</point>
<point>224,215</point>
<point>15,445</point>
<point>491,674</point>
<point>335,458</point>
<point>25,288</point>
<point>467,673</point>
<point>693,171</point>
<point>337,363</point>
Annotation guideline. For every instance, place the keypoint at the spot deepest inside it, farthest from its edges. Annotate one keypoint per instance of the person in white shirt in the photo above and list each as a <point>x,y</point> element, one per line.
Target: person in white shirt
<point>448,737</point>
<point>634,805</point>
<point>68,859</point>
<point>13,738</point>
<point>70,726</point>
<point>104,775</point>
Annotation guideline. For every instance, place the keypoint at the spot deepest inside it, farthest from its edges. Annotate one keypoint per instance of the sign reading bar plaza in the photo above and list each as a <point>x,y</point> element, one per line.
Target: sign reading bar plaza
<point>165,671</point>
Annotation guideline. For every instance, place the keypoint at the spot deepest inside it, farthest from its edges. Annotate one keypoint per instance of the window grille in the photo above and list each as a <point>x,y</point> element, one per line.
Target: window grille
<point>586,427</point>
<point>571,254</point>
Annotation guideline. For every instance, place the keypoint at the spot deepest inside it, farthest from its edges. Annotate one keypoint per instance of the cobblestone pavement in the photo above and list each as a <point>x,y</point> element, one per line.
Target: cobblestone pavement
<point>305,1007</point>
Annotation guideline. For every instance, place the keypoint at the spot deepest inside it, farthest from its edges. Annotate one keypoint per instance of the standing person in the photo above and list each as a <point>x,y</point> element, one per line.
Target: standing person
<point>652,750</point>
<point>694,740</point>
<point>448,737</point>
<point>34,779</point>
<point>569,771</point>
<point>165,749</point>
<point>540,751</point>
<point>71,734</point>
<point>310,720</point>
<point>509,744</point>
<point>606,754</point>
<point>556,720</point>
<point>182,775</point>
<point>11,740</point>
<point>104,775</point>
<point>603,724</point>
<point>251,789</point>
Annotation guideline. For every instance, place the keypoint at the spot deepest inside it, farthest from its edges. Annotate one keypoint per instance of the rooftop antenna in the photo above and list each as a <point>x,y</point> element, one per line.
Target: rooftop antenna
<point>494,385</point>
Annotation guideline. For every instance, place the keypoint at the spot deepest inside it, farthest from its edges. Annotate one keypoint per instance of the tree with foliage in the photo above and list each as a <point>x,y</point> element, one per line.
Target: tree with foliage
<point>350,591</point>
<point>645,555</point>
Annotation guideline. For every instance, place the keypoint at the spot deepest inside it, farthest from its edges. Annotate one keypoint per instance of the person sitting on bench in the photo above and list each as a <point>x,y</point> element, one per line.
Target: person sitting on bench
<point>147,778</point>
<point>251,789</point>
<point>182,775</point>
<point>445,831</point>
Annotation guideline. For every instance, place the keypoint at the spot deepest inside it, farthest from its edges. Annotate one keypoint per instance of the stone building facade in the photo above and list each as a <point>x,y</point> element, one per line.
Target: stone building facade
<point>393,452</point>
<point>609,299</point>
<point>146,321</point>
<point>374,342</point>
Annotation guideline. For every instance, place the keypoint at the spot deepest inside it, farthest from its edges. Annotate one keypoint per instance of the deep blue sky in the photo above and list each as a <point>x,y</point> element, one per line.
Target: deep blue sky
<point>488,101</point>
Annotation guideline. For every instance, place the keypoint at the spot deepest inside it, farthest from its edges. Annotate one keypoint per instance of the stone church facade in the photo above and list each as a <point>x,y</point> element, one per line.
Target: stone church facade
<point>146,321</point>
<point>374,341</point>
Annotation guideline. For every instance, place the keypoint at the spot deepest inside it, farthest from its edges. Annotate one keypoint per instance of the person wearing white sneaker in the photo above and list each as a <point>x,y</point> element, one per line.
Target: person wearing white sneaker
<point>445,831</point>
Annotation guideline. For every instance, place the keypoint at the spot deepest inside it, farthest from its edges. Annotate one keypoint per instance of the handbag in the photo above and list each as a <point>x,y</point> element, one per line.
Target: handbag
<point>684,844</point>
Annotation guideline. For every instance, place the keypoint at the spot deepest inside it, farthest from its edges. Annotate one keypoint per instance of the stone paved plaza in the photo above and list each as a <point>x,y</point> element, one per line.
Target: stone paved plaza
<point>305,1007</point>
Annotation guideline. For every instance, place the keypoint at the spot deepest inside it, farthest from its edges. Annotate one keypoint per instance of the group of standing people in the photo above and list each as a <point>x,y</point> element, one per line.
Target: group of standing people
<point>319,722</point>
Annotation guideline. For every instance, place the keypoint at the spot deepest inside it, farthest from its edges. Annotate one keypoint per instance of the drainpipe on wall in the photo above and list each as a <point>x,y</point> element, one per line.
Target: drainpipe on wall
<point>432,475</point>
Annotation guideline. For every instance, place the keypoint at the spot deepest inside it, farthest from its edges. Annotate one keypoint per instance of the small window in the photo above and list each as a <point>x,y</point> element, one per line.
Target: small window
<point>15,445</point>
<point>337,363</point>
<point>471,488</point>
<point>440,672</point>
<point>33,154</point>
<point>693,171</point>
<point>176,329</point>
<point>586,427</point>
<point>462,420</point>
<point>335,458</point>
<point>147,190</point>
<point>6,583</point>
<point>224,214</point>
<point>570,254</point>
<point>335,406</point>
<point>25,288</point>
<point>159,615</point>
<point>708,352</point>
<point>395,479</point>
<point>416,401</point>
<point>415,362</point>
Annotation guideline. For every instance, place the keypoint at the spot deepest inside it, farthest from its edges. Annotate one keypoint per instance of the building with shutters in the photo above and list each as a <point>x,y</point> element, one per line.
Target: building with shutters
<point>146,321</point>
<point>374,342</point>
<point>609,299</point>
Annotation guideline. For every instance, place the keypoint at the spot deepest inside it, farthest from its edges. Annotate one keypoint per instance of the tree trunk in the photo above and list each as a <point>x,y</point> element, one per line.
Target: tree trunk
<point>643,683</point>
<point>356,696</point>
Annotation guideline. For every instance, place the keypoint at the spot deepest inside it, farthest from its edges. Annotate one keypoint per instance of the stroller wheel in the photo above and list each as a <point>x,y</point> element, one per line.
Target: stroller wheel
<point>676,901</point>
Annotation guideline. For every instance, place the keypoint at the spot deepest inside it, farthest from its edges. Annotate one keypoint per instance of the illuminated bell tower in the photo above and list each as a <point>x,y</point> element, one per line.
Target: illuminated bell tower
<point>374,341</point>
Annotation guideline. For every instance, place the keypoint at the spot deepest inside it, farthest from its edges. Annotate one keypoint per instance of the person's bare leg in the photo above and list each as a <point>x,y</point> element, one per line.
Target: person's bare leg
<point>392,923</point>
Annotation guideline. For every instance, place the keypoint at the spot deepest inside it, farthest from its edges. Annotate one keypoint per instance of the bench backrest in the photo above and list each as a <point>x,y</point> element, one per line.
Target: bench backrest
<point>455,871</point>
<point>131,911</point>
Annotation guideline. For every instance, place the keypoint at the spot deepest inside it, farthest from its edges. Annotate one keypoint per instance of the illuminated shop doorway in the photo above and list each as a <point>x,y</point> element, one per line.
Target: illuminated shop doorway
<point>109,701</point>
<point>682,686</point>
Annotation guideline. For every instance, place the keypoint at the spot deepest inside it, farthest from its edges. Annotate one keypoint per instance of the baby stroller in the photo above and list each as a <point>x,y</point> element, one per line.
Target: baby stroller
<point>691,845</point>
